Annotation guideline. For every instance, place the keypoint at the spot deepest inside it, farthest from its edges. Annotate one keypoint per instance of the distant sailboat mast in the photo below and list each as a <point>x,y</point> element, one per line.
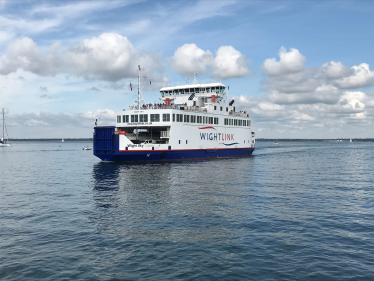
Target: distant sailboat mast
<point>4,142</point>
<point>3,139</point>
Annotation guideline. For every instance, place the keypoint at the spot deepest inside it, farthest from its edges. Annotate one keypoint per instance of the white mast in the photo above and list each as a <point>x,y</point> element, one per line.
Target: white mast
<point>3,124</point>
<point>139,89</point>
<point>137,129</point>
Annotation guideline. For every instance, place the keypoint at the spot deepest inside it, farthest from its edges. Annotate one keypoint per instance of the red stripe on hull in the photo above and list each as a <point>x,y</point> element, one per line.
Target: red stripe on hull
<point>156,150</point>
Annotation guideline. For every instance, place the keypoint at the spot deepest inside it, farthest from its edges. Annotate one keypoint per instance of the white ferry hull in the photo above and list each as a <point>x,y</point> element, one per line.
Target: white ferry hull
<point>195,122</point>
<point>175,155</point>
<point>109,147</point>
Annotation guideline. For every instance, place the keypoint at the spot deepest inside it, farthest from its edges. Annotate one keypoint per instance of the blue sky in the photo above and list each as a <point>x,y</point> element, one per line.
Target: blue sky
<point>302,69</point>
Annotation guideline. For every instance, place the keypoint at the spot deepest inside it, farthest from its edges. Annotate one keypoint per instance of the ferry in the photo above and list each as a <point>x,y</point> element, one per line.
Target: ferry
<point>192,121</point>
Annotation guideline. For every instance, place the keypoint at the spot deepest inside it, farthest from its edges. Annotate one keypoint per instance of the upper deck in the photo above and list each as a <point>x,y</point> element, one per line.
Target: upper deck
<point>196,100</point>
<point>210,108</point>
<point>197,89</point>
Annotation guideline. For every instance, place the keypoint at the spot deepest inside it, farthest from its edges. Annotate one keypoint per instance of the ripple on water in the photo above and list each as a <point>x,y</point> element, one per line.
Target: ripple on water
<point>298,210</point>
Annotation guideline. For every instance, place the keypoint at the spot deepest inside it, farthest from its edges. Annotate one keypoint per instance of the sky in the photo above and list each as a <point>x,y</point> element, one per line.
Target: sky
<point>301,69</point>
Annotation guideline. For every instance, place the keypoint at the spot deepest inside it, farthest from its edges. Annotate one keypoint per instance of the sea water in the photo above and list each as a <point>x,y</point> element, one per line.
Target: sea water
<point>292,211</point>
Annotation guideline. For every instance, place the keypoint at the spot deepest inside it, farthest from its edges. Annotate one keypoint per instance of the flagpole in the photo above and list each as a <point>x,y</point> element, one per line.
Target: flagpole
<point>137,130</point>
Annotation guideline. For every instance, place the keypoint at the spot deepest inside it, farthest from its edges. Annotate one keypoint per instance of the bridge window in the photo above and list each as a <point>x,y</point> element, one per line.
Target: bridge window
<point>216,120</point>
<point>134,118</point>
<point>186,118</point>
<point>227,109</point>
<point>173,117</point>
<point>193,118</point>
<point>118,118</point>
<point>143,117</point>
<point>210,120</point>
<point>230,121</point>
<point>125,119</point>
<point>166,117</point>
<point>249,123</point>
<point>199,119</point>
<point>155,117</point>
<point>215,107</point>
<point>179,117</point>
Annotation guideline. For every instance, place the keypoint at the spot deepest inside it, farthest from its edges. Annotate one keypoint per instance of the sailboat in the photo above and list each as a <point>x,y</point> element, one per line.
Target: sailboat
<point>350,140</point>
<point>3,142</point>
<point>62,140</point>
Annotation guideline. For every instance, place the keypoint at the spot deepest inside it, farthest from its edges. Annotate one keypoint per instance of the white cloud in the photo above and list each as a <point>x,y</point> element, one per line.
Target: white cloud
<point>110,57</point>
<point>100,114</point>
<point>290,82</point>
<point>289,62</point>
<point>323,94</point>
<point>38,18</point>
<point>335,70</point>
<point>189,59</point>
<point>354,100</point>
<point>349,117</point>
<point>25,54</point>
<point>270,107</point>
<point>361,77</point>
<point>230,63</point>
<point>246,101</point>
<point>33,125</point>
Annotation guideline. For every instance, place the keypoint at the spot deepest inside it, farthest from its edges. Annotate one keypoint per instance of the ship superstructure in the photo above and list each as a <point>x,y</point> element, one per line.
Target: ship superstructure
<point>192,121</point>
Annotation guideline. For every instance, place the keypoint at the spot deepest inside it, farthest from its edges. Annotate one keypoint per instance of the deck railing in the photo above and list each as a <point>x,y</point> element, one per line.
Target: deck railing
<point>184,108</point>
<point>165,134</point>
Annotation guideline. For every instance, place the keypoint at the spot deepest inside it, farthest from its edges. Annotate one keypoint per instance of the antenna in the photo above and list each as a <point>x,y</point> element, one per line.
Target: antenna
<point>187,81</point>
<point>137,131</point>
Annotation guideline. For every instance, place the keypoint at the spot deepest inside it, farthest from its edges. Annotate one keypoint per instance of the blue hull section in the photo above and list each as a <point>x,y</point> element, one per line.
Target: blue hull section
<point>173,155</point>
<point>105,144</point>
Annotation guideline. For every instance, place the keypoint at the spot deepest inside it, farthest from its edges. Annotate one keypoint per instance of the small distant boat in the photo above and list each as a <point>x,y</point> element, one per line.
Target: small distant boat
<point>350,140</point>
<point>87,148</point>
<point>276,142</point>
<point>62,140</point>
<point>3,142</point>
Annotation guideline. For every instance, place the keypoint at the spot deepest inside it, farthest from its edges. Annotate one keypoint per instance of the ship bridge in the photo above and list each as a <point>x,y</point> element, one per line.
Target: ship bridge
<point>202,89</point>
<point>194,95</point>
